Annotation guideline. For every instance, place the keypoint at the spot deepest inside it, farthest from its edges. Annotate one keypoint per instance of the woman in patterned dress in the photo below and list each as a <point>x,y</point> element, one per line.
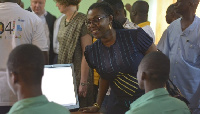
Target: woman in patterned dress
<point>73,37</point>
<point>116,56</point>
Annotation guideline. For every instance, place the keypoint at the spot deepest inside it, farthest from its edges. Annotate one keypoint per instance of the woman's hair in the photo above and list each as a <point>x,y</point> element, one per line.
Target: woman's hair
<point>68,2</point>
<point>107,10</point>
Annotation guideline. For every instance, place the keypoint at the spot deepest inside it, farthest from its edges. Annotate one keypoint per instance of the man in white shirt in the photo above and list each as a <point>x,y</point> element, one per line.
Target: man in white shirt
<point>171,15</point>
<point>118,8</point>
<point>55,39</point>
<point>37,7</point>
<point>17,26</point>
<point>139,15</point>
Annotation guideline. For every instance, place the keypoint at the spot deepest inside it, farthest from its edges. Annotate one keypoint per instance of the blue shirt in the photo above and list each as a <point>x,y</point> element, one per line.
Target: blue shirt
<point>158,101</point>
<point>37,105</point>
<point>183,49</point>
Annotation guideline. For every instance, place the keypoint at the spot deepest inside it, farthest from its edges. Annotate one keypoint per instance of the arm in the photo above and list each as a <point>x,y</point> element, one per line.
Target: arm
<point>103,88</point>
<point>151,49</point>
<point>46,57</point>
<point>85,40</point>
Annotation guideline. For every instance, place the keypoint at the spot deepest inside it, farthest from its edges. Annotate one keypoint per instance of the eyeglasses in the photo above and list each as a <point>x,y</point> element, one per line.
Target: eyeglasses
<point>95,20</point>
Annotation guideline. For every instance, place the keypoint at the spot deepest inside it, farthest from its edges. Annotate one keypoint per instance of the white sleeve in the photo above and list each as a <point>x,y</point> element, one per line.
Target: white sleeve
<point>149,31</point>
<point>55,39</point>
<point>39,37</point>
<point>55,33</point>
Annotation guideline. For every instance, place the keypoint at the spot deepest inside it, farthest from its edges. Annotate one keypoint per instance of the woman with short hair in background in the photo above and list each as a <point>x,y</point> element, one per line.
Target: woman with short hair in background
<point>73,37</point>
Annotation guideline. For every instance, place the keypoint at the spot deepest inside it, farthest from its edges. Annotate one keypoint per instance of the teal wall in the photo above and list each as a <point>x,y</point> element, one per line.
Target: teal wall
<point>51,6</point>
<point>84,5</point>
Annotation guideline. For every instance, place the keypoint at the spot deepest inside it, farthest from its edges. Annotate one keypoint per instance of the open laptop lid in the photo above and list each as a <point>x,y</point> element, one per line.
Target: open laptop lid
<point>59,85</point>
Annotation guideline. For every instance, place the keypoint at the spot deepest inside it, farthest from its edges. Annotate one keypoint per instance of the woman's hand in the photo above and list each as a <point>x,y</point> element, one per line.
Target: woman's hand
<point>83,89</point>
<point>91,109</point>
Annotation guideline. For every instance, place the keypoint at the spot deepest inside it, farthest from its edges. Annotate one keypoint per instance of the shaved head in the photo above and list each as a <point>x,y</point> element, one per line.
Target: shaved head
<point>156,67</point>
<point>142,7</point>
<point>139,12</point>
<point>27,61</point>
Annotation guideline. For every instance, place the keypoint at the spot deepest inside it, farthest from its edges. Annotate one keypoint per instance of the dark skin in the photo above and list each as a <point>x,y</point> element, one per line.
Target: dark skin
<point>119,15</point>
<point>171,15</point>
<point>146,82</point>
<point>22,5</point>
<point>46,57</point>
<point>136,16</point>
<point>187,9</point>
<point>153,71</point>
<point>128,7</point>
<point>22,89</point>
<point>107,36</point>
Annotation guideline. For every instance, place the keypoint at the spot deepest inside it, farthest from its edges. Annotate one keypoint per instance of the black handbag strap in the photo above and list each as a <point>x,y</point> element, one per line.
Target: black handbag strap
<point>175,92</point>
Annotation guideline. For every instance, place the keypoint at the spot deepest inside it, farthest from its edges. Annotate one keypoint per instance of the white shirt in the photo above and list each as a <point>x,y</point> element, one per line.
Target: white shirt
<point>55,33</point>
<point>149,31</point>
<point>130,25</point>
<point>17,26</point>
<point>46,28</point>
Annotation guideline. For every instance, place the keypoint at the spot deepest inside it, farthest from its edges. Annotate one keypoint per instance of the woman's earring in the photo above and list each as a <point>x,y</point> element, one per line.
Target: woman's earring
<point>109,26</point>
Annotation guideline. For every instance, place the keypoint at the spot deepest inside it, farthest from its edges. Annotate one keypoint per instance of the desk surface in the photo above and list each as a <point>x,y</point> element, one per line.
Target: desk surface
<point>84,113</point>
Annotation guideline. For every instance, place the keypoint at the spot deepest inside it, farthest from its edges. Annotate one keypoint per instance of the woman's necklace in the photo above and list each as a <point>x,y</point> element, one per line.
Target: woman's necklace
<point>66,24</point>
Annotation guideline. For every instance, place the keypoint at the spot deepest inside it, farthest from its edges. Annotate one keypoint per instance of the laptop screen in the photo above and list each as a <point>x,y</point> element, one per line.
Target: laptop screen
<point>59,85</point>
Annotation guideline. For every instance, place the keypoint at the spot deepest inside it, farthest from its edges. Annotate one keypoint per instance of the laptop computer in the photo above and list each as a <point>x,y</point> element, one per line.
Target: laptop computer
<point>59,85</point>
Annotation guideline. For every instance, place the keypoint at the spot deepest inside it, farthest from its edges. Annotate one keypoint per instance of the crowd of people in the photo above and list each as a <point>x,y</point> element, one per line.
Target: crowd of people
<point>118,68</point>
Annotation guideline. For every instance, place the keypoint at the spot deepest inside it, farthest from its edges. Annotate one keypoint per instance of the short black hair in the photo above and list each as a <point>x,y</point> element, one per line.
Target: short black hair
<point>171,7</point>
<point>28,62</point>
<point>116,4</point>
<point>15,1</point>
<point>142,7</point>
<point>157,65</point>
<point>108,10</point>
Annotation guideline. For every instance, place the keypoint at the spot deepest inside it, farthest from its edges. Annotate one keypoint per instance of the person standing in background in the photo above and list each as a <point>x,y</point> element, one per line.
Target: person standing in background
<point>16,28</point>
<point>55,38</point>
<point>37,7</point>
<point>119,14</point>
<point>139,15</point>
<point>73,37</point>
<point>171,15</point>
<point>182,46</point>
